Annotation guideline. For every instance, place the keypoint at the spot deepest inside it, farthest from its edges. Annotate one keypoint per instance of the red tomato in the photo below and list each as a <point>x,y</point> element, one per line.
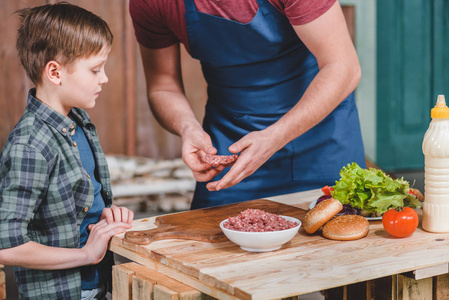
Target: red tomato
<point>400,221</point>
<point>327,190</point>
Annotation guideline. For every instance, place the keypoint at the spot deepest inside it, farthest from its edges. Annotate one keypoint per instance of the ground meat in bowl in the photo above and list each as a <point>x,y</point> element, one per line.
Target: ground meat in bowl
<point>256,220</point>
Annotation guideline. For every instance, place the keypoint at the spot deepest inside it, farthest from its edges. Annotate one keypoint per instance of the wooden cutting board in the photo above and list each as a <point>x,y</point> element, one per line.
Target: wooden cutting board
<point>204,224</point>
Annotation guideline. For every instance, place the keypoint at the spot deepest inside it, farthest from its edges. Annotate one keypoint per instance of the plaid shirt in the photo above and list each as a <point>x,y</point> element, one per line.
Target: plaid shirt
<point>45,193</point>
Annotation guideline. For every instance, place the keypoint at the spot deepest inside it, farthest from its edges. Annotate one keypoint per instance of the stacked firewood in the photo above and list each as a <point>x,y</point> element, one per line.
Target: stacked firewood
<point>149,185</point>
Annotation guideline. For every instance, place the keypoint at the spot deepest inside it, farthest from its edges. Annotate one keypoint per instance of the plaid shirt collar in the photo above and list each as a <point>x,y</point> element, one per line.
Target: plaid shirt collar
<point>61,123</point>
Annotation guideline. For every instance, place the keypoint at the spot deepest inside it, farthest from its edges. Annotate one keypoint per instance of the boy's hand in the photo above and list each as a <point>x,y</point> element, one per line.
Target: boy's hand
<point>100,234</point>
<point>117,214</point>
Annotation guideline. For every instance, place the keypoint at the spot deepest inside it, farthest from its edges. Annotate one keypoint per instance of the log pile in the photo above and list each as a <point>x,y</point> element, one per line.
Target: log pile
<point>150,185</point>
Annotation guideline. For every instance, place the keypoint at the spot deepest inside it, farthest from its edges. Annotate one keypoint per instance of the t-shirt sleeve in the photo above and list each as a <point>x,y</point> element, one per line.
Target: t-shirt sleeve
<point>23,181</point>
<point>149,27</point>
<point>300,12</point>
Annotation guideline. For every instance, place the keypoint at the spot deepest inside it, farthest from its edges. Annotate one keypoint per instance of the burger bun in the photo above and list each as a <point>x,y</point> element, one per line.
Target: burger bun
<point>320,214</point>
<point>346,228</point>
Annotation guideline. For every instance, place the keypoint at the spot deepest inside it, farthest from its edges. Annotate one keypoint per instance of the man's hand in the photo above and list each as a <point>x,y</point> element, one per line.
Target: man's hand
<point>256,148</point>
<point>196,143</point>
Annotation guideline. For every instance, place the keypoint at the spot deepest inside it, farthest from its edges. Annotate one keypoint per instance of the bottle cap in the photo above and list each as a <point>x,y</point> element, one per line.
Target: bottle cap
<point>440,111</point>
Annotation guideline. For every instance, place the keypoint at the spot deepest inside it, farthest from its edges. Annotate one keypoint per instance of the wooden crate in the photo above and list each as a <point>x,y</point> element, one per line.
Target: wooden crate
<point>132,281</point>
<point>430,283</point>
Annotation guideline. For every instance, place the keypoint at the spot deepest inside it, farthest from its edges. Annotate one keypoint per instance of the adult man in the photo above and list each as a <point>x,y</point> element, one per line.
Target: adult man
<point>278,73</point>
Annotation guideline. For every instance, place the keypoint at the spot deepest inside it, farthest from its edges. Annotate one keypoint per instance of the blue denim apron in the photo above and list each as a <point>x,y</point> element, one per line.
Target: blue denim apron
<point>256,72</point>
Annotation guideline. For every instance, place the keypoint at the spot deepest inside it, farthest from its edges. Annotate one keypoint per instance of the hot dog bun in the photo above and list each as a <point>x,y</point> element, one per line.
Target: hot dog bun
<point>320,214</point>
<point>346,228</point>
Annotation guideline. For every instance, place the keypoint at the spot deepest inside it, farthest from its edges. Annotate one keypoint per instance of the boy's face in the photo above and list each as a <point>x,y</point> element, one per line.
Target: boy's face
<point>82,81</point>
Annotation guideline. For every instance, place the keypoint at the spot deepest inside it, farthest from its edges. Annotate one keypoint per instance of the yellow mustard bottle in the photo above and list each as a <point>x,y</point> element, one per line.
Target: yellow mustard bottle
<point>436,171</point>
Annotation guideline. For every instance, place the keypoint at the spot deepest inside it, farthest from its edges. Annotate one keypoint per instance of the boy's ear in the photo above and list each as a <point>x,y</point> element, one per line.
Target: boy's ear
<point>53,72</point>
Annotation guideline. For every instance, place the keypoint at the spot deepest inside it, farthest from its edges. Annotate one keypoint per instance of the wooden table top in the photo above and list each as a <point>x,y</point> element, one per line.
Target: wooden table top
<point>306,264</point>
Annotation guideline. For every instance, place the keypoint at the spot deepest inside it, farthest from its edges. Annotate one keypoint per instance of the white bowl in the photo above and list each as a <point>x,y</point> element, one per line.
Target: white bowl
<point>261,241</point>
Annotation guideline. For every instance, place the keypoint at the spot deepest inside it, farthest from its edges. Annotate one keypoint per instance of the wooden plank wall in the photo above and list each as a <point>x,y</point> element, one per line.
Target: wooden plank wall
<point>122,116</point>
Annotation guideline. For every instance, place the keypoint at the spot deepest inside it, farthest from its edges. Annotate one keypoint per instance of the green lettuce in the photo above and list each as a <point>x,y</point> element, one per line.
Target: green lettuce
<point>372,190</point>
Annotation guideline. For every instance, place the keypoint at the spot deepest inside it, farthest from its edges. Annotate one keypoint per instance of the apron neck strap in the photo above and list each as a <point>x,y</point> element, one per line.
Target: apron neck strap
<point>191,7</point>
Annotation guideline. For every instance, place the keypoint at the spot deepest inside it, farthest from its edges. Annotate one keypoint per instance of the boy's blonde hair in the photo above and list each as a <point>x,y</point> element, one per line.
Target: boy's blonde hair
<point>62,32</point>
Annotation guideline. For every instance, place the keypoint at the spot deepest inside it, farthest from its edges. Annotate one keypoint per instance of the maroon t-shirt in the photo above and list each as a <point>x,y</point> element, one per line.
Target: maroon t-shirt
<point>161,23</point>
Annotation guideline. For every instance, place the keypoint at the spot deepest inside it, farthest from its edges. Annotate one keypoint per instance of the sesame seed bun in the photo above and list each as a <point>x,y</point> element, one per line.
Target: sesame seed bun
<point>346,228</point>
<point>320,214</point>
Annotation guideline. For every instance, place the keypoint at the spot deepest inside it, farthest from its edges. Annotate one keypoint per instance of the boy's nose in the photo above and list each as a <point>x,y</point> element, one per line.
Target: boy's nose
<point>105,79</point>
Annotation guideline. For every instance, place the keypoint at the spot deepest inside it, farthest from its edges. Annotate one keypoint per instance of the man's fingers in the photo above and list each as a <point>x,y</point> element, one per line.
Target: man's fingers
<point>236,174</point>
<point>225,182</point>
<point>206,175</point>
<point>228,181</point>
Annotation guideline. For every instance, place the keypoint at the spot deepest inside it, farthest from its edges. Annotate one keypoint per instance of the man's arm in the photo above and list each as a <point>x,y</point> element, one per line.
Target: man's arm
<point>327,37</point>
<point>171,108</point>
<point>165,90</point>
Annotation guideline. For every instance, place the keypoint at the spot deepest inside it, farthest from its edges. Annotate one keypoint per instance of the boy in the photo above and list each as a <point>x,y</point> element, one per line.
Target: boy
<point>56,213</point>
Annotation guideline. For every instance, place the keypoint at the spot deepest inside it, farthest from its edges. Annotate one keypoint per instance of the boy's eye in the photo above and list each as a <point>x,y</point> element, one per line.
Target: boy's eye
<point>95,71</point>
